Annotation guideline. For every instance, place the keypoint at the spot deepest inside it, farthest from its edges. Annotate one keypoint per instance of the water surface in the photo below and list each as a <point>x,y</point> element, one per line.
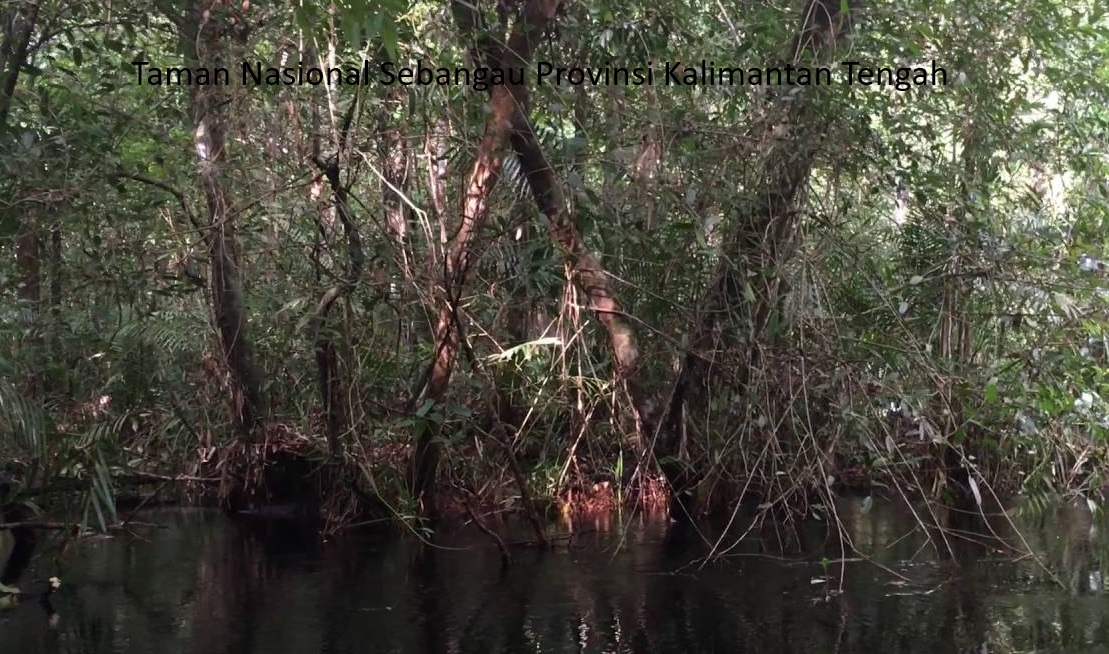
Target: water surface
<point>200,584</point>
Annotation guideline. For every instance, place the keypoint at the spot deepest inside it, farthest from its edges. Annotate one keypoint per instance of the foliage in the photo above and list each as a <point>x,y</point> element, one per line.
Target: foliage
<point>950,259</point>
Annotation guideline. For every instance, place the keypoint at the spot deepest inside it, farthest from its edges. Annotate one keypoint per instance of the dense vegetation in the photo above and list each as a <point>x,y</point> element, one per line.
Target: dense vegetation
<point>425,298</point>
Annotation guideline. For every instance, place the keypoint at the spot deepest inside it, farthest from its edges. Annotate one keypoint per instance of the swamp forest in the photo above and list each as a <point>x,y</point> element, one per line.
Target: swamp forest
<point>554,325</point>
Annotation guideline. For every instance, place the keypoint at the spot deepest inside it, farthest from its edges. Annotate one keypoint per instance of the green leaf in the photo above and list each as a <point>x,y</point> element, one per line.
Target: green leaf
<point>991,392</point>
<point>388,36</point>
<point>351,27</point>
<point>425,408</point>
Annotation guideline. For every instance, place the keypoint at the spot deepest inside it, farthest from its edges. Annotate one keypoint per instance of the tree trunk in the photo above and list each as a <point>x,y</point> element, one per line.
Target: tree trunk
<point>203,44</point>
<point>394,180</point>
<point>585,270</point>
<point>20,20</point>
<point>333,387</point>
<point>746,289</point>
<point>504,103</point>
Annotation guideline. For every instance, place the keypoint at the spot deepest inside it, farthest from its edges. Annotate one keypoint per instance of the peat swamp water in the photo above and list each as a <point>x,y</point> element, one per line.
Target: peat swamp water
<point>202,585</point>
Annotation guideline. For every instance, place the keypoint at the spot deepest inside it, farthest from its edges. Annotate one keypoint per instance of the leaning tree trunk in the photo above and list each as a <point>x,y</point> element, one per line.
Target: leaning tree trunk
<point>203,43</point>
<point>505,100</point>
<point>745,290</point>
<point>584,268</point>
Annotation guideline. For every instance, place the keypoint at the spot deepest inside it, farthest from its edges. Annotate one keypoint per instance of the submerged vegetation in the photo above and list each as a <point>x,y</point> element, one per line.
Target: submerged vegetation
<point>553,293</point>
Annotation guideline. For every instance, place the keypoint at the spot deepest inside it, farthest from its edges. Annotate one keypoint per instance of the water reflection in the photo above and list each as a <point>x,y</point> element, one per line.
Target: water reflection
<point>200,585</point>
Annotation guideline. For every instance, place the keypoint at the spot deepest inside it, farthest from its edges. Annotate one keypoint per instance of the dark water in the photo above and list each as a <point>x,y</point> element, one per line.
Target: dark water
<point>201,585</point>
